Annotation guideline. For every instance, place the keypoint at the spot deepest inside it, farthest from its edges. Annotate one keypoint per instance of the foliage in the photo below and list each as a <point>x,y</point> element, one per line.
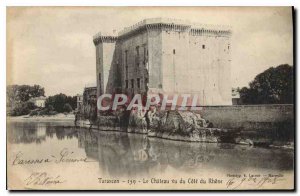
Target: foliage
<point>67,107</point>
<point>34,112</point>
<point>273,86</point>
<point>22,108</point>
<point>41,112</point>
<point>18,101</point>
<point>52,113</point>
<point>50,108</point>
<point>72,100</point>
<point>58,103</point>
<point>22,93</point>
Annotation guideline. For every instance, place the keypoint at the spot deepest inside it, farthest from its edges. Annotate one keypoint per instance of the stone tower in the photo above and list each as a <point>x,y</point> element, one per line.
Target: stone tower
<point>167,56</point>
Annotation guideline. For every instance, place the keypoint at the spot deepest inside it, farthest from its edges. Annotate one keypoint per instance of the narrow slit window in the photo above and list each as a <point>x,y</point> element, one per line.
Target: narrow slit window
<point>138,82</point>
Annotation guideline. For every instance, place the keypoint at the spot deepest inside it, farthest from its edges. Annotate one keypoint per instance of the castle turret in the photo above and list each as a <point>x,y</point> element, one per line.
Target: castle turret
<point>105,51</point>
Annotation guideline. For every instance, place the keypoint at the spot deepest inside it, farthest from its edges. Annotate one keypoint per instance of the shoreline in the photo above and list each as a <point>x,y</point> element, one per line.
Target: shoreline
<point>130,130</point>
<point>172,138</point>
<point>57,117</point>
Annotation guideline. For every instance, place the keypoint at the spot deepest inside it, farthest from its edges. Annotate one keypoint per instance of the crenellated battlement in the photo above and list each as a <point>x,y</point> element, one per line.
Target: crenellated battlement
<point>99,38</point>
<point>168,24</point>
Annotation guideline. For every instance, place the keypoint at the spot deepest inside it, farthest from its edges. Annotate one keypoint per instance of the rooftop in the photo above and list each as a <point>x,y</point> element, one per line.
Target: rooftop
<point>38,98</point>
<point>167,21</point>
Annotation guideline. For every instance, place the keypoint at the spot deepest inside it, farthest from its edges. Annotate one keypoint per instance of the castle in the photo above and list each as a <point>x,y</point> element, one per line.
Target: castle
<point>166,56</point>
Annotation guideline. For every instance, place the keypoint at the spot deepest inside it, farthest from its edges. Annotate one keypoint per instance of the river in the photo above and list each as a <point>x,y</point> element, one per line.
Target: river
<point>84,159</point>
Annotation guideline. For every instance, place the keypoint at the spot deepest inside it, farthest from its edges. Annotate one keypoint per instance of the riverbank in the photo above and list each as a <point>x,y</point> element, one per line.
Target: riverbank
<point>57,117</point>
<point>191,127</point>
<point>204,135</point>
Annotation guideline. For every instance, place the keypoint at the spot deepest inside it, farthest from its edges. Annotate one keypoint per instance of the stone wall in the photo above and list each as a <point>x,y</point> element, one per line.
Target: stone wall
<point>256,120</point>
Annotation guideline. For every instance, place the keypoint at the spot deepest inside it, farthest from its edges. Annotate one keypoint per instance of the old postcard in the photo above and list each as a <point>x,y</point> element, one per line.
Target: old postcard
<point>150,98</point>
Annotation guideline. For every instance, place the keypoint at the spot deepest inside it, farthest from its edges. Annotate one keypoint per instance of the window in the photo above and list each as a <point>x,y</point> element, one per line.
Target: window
<point>126,72</point>
<point>100,83</point>
<point>145,55</point>
<point>173,51</point>
<point>132,83</point>
<point>203,46</point>
<point>138,82</point>
<point>126,66</point>
<point>137,51</point>
<point>146,82</point>
<point>126,84</point>
<point>137,59</point>
<point>126,58</point>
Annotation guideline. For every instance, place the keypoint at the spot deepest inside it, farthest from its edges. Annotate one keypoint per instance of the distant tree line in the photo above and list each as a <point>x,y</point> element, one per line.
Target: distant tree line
<point>19,101</point>
<point>18,98</point>
<point>61,103</point>
<point>273,86</point>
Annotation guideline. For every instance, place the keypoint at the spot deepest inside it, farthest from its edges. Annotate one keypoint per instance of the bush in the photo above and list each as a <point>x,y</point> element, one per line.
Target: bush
<point>50,108</point>
<point>44,112</point>
<point>58,102</point>
<point>52,113</point>
<point>33,113</point>
<point>22,108</point>
<point>67,108</point>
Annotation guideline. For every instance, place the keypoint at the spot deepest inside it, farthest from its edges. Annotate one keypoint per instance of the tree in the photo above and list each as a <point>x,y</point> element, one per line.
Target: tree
<point>67,108</point>
<point>22,108</point>
<point>50,108</point>
<point>72,100</point>
<point>18,97</point>
<point>22,93</point>
<point>58,102</point>
<point>273,86</point>
<point>36,91</point>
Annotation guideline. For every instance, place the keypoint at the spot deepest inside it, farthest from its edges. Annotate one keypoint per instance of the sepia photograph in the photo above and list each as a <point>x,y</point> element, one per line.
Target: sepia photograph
<point>150,98</point>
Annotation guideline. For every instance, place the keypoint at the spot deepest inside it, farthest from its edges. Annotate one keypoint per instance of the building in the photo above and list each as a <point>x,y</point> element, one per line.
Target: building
<point>39,101</point>
<point>89,95</point>
<point>89,100</point>
<point>166,56</point>
<point>79,102</point>
<point>236,99</point>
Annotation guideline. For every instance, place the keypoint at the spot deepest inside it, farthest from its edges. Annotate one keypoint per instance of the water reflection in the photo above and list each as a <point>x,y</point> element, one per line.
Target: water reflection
<point>122,154</point>
<point>37,132</point>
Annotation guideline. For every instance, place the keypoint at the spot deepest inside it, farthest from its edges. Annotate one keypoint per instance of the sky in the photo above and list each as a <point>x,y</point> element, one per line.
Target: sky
<point>53,47</point>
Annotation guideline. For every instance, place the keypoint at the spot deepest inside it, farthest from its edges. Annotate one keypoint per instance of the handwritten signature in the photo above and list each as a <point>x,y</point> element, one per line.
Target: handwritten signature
<point>43,179</point>
<point>256,182</point>
<point>64,156</point>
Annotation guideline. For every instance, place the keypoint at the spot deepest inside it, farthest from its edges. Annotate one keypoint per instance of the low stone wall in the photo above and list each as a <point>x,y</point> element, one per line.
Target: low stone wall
<point>261,123</point>
<point>248,117</point>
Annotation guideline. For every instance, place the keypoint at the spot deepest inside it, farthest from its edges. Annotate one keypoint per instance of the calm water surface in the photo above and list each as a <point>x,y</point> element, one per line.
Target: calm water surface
<point>124,155</point>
